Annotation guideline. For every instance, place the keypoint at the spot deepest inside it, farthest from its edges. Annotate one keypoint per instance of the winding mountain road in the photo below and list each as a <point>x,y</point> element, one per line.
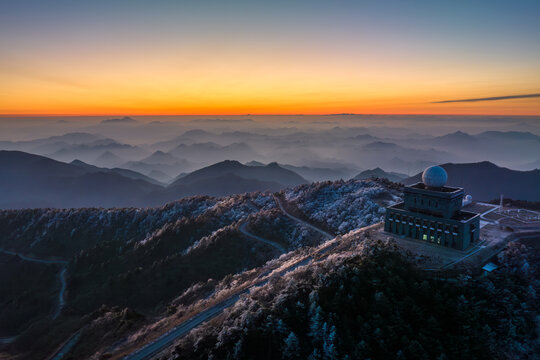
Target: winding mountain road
<point>61,275</point>
<point>243,230</point>
<point>166,340</point>
<point>7,339</point>
<point>326,234</point>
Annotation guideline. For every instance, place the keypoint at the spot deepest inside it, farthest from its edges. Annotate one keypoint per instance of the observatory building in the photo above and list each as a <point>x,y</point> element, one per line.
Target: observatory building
<point>431,212</point>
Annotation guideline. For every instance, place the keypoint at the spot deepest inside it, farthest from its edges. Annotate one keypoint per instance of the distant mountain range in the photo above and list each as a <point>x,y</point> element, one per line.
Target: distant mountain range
<point>271,173</point>
<point>161,166</point>
<point>103,152</point>
<point>51,144</point>
<point>505,146</point>
<point>209,151</point>
<point>120,171</point>
<point>314,173</point>
<point>487,181</point>
<point>230,177</point>
<point>160,157</point>
<point>124,120</point>
<point>28,180</point>
<point>90,148</point>
<point>381,174</point>
<point>460,137</point>
<point>108,159</point>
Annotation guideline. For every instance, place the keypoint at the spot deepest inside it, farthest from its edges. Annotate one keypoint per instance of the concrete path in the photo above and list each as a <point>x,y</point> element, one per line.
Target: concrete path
<point>482,215</point>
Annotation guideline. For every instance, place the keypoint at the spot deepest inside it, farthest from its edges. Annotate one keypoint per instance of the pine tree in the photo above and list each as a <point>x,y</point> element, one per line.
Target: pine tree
<point>292,346</point>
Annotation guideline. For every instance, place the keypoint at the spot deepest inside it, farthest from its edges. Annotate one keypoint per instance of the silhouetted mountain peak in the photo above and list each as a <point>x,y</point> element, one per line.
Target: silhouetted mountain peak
<point>486,181</point>
<point>380,173</point>
<point>159,157</point>
<point>196,132</point>
<point>510,135</point>
<point>228,163</point>
<point>380,145</point>
<point>75,137</point>
<point>108,155</point>
<point>124,120</point>
<point>365,137</point>
<point>30,180</point>
<point>458,135</point>
<point>270,173</point>
<point>255,163</point>
<point>78,162</point>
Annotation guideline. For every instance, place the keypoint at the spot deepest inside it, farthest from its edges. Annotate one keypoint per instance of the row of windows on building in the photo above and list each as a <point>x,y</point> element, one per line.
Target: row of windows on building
<point>419,222</point>
<point>422,201</point>
<point>422,229</point>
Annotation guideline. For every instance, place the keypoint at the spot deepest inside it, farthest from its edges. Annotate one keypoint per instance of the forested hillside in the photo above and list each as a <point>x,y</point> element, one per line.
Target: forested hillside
<point>371,302</point>
<point>155,254</point>
<point>133,274</point>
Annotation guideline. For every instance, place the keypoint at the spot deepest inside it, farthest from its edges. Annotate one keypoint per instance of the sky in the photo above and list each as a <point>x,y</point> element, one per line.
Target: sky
<point>269,57</point>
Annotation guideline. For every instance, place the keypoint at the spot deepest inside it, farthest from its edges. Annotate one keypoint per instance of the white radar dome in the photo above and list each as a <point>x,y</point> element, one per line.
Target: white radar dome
<point>434,177</point>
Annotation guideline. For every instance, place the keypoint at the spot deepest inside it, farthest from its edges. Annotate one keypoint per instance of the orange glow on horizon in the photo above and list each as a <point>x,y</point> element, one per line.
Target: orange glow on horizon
<point>528,107</point>
<point>261,85</point>
<point>229,58</point>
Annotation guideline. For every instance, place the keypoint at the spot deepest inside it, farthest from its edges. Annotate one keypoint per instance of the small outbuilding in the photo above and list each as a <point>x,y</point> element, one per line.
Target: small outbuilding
<point>489,267</point>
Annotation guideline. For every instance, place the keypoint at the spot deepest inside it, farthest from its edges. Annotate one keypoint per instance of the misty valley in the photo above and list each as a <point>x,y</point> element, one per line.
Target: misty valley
<point>183,238</point>
<point>269,180</point>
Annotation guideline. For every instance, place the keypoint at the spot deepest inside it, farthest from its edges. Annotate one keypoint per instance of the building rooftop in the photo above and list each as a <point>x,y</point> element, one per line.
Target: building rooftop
<point>445,189</point>
<point>489,267</point>
<point>463,216</point>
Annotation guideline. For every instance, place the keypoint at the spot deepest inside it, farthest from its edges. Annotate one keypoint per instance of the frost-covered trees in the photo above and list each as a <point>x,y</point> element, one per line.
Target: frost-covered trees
<point>291,348</point>
<point>341,206</point>
<point>371,303</point>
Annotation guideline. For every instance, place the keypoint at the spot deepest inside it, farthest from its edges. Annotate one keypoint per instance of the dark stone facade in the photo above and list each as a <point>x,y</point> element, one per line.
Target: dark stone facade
<point>433,215</point>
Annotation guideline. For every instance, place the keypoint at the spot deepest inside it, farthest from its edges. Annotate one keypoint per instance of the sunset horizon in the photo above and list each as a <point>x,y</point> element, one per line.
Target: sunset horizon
<point>270,180</point>
<point>268,58</point>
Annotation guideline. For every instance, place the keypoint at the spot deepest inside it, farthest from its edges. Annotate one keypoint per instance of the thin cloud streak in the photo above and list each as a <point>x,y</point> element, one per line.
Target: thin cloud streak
<point>494,98</point>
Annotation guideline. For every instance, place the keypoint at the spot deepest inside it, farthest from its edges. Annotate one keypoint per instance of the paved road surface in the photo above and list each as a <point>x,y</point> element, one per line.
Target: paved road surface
<point>7,339</point>
<point>61,275</point>
<point>61,301</point>
<point>243,230</point>
<point>167,339</point>
<point>64,349</point>
<point>28,258</point>
<point>327,235</point>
